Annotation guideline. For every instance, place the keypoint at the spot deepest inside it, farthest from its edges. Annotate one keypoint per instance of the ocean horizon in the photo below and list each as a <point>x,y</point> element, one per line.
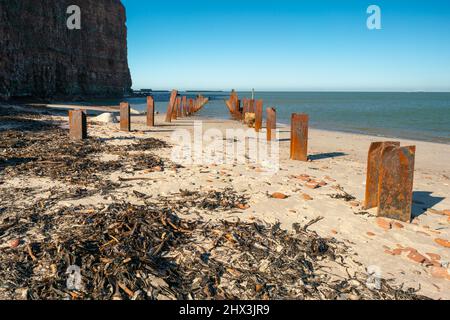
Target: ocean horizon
<point>421,116</point>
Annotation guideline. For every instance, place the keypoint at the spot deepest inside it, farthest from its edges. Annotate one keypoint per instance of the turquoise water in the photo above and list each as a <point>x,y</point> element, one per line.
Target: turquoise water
<point>419,116</point>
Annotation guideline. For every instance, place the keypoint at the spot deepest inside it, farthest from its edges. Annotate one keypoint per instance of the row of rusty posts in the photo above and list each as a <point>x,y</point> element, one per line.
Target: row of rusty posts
<point>178,107</point>
<point>390,169</point>
<point>239,110</point>
<point>181,106</point>
<point>78,119</point>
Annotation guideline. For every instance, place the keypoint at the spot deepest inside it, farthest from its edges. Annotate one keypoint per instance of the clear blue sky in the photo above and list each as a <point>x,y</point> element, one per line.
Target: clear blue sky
<point>289,45</point>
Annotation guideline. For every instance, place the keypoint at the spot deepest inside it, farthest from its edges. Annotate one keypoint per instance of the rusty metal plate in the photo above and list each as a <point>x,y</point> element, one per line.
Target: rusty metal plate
<point>150,112</point>
<point>176,109</point>
<point>244,106</point>
<point>77,124</point>
<point>238,111</point>
<point>171,105</point>
<point>259,115</point>
<point>125,117</point>
<point>191,106</point>
<point>251,106</point>
<point>271,123</point>
<point>396,182</point>
<point>373,172</point>
<point>299,137</point>
<point>184,107</point>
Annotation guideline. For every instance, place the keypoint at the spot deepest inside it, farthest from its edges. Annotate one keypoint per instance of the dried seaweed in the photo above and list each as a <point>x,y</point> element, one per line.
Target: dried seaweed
<point>126,251</point>
<point>51,154</point>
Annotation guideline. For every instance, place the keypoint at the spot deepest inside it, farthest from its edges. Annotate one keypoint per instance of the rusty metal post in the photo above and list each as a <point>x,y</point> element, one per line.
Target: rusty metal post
<point>150,112</point>
<point>251,106</point>
<point>77,124</point>
<point>184,107</point>
<point>373,172</point>
<point>271,122</point>
<point>299,137</point>
<point>125,117</point>
<point>259,115</point>
<point>238,112</point>
<point>171,105</point>
<point>191,106</point>
<point>244,108</point>
<point>396,182</point>
<point>176,108</point>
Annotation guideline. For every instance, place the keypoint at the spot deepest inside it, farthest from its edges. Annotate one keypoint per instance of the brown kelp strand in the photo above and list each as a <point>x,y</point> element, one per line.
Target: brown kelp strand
<point>126,251</point>
<point>213,200</point>
<point>51,154</point>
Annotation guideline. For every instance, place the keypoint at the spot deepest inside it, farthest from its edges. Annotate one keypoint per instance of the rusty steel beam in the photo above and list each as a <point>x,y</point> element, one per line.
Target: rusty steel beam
<point>396,182</point>
<point>176,108</point>
<point>271,123</point>
<point>251,106</point>
<point>77,125</point>
<point>258,115</point>
<point>171,105</point>
<point>125,117</point>
<point>244,107</point>
<point>238,111</point>
<point>184,107</point>
<point>191,106</point>
<point>150,112</point>
<point>299,137</point>
<point>373,172</point>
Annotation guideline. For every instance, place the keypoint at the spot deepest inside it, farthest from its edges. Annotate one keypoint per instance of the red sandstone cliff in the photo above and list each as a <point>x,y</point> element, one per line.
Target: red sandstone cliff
<point>41,57</point>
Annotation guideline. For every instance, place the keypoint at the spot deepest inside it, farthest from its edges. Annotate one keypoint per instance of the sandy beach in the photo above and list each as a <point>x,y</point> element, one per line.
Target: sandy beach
<point>408,254</point>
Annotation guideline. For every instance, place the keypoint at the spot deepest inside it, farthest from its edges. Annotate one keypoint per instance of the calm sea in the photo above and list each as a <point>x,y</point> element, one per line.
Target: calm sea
<point>420,116</point>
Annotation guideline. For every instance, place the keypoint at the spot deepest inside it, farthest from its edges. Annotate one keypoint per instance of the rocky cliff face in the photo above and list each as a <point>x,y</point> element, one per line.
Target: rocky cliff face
<point>41,57</point>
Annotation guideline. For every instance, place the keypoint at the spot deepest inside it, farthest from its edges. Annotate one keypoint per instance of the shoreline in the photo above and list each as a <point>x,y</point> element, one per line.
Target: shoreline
<point>114,109</point>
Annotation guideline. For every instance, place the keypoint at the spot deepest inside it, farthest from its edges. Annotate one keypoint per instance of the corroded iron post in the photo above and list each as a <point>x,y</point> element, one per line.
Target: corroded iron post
<point>251,106</point>
<point>373,172</point>
<point>171,105</point>
<point>244,108</point>
<point>184,107</point>
<point>271,122</point>
<point>299,137</point>
<point>191,106</point>
<point>396,182</point>
<point>238,112</point>
<point>77,124</point>
<point>259,115</point>
<point>125,117</point>
<point>176,108</point>
<point>150,112</point>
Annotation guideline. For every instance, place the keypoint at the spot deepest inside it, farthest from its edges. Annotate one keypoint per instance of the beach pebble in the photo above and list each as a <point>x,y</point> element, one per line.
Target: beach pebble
<point>440,273</point>
<point>304,177</point>
<point>384,224</point>
<point>371,234</point>
<point>443,242</point>
<point>279,195</point>
<point>354,204</point>
<point>416,257</point>
<point>397,225</point>
<point>14,243</point>
<point>307,197</point>
<point>323,184</point>
<point>312,185</point>
<point>434,256</point>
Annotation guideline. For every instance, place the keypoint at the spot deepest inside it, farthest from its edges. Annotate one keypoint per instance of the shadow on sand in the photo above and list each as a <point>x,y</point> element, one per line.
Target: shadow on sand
<point>322,156</point>
<point>422,201</point>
